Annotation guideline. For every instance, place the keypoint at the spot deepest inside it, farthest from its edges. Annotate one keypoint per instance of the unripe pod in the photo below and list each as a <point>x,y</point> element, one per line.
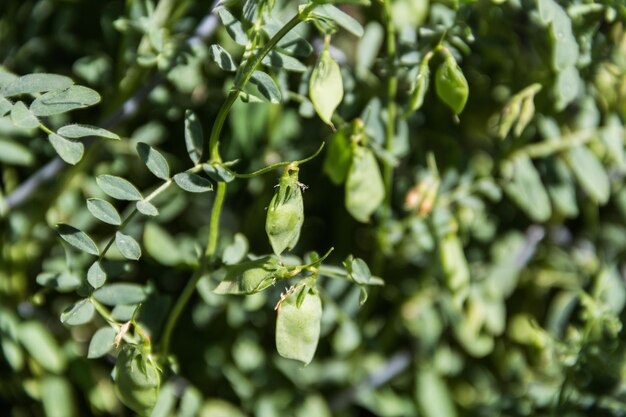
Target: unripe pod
<point>137,379</point>
<point>250,277</point>
<point>298,325</point>
<point>285,213</point>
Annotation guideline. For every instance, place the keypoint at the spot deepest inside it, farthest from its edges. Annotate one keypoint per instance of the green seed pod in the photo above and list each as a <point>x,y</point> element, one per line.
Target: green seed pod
<point>298,324</point>
<point>137,379</point>
<point>451,84</point>
<point>285,213</point>
<point>365,190</point>
<point>326,86</point>
<point>250,277</point>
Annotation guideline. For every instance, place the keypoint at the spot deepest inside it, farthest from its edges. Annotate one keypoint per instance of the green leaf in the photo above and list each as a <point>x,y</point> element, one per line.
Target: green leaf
<point>154,160</point>
<point>160,245</point>
<point>128,247</point>
<point>81,131</point>
<point>193,136</point>
<point>5,106</point>
<point>101,342</point>
<point>41,346</point>
<point>235,252</point>
<point>527,190</point>
<point>453,262</point>
<point>78,313</point>
<point>222,58</point>
<point>365,190</point>
<point>278,60</point>
<point>70,151</point>
<point>13,153</point>
<point>60,281</point>
<point>338,157</point>
<point>118,188</point>
<point>96,275</point>
<point>326,86</point>
<point>146,208</point>
<point>421,83</point>
<point>250,277</point>
<point>566,87</point>
<point>298,327</point>
<point>57,397</point>
<point>193,183</point>
<point>266,86</point>
<point>561,187</point>
<point>218,172</point>
<point>77,238</point>
<point>433,396</point>
<point>233,26</point>
<point>120,294</point>
<point>336,15</point>
<point>61,101</point>
<point>590,173</point>
<point>285,214</point>
<point>104,211</point>
<point>358,270</point>
<point>451,85</point>
<point>36,83</point>
<point>292,43</point>
<point>22,117</point>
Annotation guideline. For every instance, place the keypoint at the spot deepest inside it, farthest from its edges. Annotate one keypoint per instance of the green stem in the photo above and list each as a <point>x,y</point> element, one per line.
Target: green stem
<point>392,89</point>
<point>550,147</point>
<point>216,131</point>
<point>243,77</point>
<point>279,165</point>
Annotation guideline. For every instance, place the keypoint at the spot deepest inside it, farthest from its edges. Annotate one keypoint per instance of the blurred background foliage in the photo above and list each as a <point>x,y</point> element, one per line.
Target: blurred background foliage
<point>505,283</point>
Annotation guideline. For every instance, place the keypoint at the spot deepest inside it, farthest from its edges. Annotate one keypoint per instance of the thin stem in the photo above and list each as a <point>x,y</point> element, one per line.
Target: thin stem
<point>392,89</point>
<point>279,165</point>
<point>242,78</point>
<point>216,131</point>
<point>550,147</point>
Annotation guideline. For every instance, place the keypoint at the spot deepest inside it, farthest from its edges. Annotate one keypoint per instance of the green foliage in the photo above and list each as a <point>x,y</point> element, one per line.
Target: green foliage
<point>159,250</point>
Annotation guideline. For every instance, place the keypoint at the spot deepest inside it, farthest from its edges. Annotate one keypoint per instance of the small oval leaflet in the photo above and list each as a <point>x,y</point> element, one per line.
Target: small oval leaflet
<point>285,214</point>
<point>298,327</point>
<point>70,151</point>
<point>193,136</point>
<point>77,238</point>
<point>222,58</point>
<point>101,342</point>
<point>326,86</point>
<point>422,82</point>
<point>120,294</point>
<point>193,183</point>
<point>137,379</point>
<point>5,106</point>
<point>79,313</point>
<point>81,131</point>
<point>365,190</point>
<point>61,101</point>
<point>104,211</point>
<point>266,86</point>
<point>118,188</point>
<point>96,276</point>
<point>42,346</point>
<point>128,247</point>
<point>36,83</point>
<point>146,208</point>
<point>451,85</point>
<point>22,117</point>
<point>154,160</point>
